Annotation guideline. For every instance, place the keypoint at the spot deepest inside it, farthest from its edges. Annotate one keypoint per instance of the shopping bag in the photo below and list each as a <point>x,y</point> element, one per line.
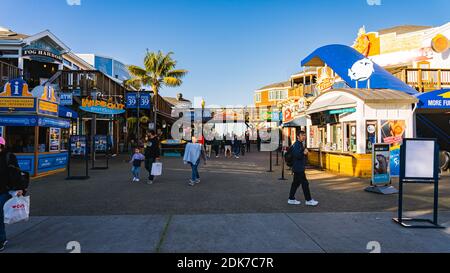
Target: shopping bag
<point>17,209</point>
<point>156,169</point>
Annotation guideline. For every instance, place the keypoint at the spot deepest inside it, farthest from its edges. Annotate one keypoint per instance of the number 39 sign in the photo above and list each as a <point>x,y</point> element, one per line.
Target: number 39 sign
<point>132,99</point>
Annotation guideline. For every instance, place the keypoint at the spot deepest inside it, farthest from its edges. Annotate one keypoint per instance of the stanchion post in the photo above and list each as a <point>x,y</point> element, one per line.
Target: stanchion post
<point>282,167</point>
<point>270,162</point>
<point>277,164</point>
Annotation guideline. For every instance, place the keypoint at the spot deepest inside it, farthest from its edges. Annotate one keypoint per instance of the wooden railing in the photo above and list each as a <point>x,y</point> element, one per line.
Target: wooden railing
<point>8,72</point>
<point>423,79</point>
<point>90,81</point>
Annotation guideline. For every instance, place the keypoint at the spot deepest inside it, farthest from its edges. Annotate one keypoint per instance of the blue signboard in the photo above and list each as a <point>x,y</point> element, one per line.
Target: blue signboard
<point>78,145</point>
<point>101,143</point>
<point>26,163</point>
<point>18,120</point>
<point>66,99</point>
<point>102,110</point>
<point>132,99</point>
<point>50,162</point>
<point>76,92</point>
<point>395,161</point>
<point>53,122</point>
<point>439,99</point>
<point>2,131</point>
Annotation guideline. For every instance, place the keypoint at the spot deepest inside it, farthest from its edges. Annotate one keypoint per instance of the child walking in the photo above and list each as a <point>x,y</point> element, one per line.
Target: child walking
<point>136,160</point>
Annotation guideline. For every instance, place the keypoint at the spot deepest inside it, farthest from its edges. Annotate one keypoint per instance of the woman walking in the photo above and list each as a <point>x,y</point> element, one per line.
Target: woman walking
<point>192,154</point>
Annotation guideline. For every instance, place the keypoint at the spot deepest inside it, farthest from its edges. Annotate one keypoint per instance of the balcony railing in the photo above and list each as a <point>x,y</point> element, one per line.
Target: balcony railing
<point>90,81</point>
<point>423,79</point>
<point>8,72</point>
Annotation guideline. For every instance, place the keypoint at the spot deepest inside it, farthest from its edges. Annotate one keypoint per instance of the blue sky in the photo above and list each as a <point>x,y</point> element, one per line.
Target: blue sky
<point>230,47</point>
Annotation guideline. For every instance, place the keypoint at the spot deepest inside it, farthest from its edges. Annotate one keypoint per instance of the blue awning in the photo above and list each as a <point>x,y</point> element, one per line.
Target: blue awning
<point>33,120</point>
<point>438,99</point>
<point>65,112</point>
<point>341,58</point>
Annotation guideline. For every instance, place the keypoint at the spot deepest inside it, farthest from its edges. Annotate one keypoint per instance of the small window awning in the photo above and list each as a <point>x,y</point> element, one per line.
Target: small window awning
<point>297,122</point>
<point>338,102</point>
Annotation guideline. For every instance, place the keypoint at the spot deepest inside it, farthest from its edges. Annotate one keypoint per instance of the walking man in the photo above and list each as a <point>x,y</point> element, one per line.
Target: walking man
<point>299,153</point>
<point>151,154</point>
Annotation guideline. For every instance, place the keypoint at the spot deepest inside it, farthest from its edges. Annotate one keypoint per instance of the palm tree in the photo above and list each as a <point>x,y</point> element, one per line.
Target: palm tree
<point>159,71</point>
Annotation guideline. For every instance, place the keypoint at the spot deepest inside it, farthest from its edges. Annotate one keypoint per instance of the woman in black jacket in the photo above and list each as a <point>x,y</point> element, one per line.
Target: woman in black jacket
<point>6,159</point>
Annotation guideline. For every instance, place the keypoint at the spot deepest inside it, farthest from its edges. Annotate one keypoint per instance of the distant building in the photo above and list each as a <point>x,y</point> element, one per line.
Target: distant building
<point>107,65</point>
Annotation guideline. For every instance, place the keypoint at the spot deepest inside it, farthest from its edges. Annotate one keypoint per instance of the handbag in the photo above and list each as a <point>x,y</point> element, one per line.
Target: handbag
<point>156,169</point>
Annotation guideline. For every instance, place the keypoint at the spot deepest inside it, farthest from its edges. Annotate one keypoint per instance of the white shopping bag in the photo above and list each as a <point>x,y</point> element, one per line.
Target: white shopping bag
<point>17,209</point>
<point>156,169</point>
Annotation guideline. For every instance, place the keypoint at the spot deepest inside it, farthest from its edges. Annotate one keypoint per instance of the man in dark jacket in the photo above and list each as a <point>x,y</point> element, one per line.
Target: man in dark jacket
<point>6,159</point>
<point>299,153</point>
<point>151,153</point>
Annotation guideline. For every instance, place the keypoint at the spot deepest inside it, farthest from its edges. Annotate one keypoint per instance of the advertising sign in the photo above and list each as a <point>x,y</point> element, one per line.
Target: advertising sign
<point>380,164</point>
<point>102,107</point>
<point>17,104</point>
<point>393,132</point>
<point>78,145</point>
<point>16,88</point>
<point>55,143</point>
<point>101,143</point>
<point>48,108</point>
<point>132,99</point>
<point>66,99</point>
<point>439,99</point>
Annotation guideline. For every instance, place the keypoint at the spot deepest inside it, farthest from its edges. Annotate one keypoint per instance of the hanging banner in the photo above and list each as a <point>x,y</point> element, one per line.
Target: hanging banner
<point>102,107</point>
<point>393,132</point>
<point>132,100</point>
<point>55,144</point>
<point>380,164</point>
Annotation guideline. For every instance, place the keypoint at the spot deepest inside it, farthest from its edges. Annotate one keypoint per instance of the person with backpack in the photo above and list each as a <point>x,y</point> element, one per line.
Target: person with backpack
<point>151,153</point>
<point>9,170</point>
<point>296,159</point>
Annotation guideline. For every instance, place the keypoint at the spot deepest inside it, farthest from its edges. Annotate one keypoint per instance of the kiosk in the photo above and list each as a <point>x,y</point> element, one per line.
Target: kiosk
<point>33,129</point>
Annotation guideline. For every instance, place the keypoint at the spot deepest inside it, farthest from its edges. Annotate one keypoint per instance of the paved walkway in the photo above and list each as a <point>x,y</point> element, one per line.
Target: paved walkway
<point>238,207</point>
<point>229,233</point>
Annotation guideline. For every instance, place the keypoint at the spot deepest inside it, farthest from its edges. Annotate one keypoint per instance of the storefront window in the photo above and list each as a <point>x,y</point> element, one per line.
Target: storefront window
<point>336,137</point>
<point>65,136</point>
<point>313,138</point>
<point>20,139</point>
<point>350,137</point>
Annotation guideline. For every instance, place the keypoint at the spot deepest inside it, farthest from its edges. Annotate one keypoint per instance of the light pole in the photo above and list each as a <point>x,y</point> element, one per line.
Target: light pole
<point>138,99</point>
<point>203,109</point>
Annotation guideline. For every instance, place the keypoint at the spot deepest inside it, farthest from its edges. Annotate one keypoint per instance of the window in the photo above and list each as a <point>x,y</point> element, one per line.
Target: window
<point>336,137</point>
<point>258,97</point>
<point>278,94</point>
<point>350,137</point>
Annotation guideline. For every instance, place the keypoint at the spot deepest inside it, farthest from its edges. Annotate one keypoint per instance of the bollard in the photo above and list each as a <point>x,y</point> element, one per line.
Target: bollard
<point>282,167</point>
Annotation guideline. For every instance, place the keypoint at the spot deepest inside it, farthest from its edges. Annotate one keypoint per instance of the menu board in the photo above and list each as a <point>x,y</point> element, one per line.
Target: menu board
<point>380,163</point>
<point>78,145</point>
<point>55,140</point>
